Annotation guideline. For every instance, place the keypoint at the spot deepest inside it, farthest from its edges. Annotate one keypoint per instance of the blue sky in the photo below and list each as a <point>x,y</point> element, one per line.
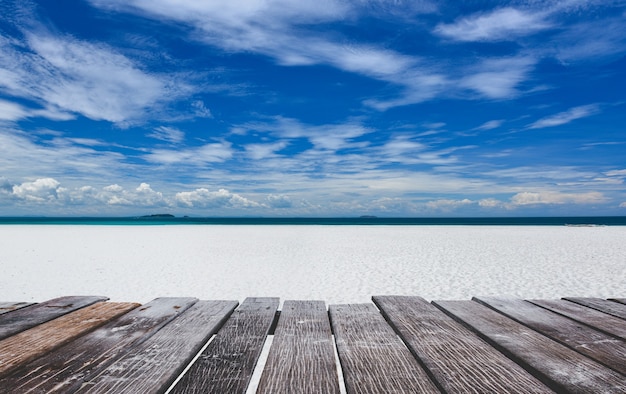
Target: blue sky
<point>312,108</point>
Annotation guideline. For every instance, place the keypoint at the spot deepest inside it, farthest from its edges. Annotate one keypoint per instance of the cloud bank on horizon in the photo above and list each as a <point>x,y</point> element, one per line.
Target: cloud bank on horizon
<point>313,108</point>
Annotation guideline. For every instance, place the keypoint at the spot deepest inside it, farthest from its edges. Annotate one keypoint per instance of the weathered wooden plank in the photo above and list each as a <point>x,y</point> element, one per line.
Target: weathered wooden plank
<point>562,368</point>
<point>373,358</point>
<point>66,368</point>
<point>302,356</point>
<point>153,365</point>
<point>12,306</point>
<point>601,347</point>
<point>39,340</point>
<point>591,317</point>
<point>612,308</point>
<point>227,364</point>
<point>620,300</point>
<point>25,318</point>
<point>456,358</point>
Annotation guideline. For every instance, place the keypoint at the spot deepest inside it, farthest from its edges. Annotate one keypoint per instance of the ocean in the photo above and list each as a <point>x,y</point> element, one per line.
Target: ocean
<point>339,221</point>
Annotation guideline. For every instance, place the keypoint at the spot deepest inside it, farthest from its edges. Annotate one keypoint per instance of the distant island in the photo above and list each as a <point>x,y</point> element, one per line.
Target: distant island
<point>368,217</point>
<point>158,216</point>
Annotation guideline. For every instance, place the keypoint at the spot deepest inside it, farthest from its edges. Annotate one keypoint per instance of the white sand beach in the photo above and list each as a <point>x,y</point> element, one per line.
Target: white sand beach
<point>338,264</point>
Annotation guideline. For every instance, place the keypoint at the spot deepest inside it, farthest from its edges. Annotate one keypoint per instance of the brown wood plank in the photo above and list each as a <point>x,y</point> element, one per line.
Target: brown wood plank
<point>25,318</point>
<point>373,358</point>
<point>612,308</point>
<point>39,340</point>
<point>157,362</point>
<point>456,358</point>
<point>560,367</point>
<point>302,356</point>
<point>595,344</point>
<point>12,306</point>
<point>67,367</point>
<point>227,364</point>
<point>591,317</point>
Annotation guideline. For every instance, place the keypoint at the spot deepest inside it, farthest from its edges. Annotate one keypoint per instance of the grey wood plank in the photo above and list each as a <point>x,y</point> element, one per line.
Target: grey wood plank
<point>455,357</point>
<point>39,340</point>
<point>620,300</point>
<point>302,356</point>
<point>25,318</point>
<point>591,317</point>
<point>12,306</point>
<point>227,364</point>
<point>562,368</point>
<point>65,369</point>
<point>153,365</point>
<point>595,344</point>
<point>373,358</point>
<point>612,308</point>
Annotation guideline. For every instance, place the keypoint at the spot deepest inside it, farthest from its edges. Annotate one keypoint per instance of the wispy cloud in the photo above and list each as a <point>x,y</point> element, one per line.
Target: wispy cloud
<point>498,25</point>
<point>167,134</point>
<point>498,78</point>
<point>215,152</point>
<point>490,125</point>
<point>565,117</point>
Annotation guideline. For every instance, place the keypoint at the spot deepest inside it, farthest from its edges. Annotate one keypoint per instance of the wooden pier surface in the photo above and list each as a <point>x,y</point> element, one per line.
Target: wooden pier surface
<point>397,344</point>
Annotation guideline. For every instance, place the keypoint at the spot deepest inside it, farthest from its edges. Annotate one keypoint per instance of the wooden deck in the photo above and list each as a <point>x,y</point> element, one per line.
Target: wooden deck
<point>398,344</point>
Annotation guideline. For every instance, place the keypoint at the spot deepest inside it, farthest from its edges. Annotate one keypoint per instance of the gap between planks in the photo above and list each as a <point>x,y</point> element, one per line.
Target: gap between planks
<point>260,365</point>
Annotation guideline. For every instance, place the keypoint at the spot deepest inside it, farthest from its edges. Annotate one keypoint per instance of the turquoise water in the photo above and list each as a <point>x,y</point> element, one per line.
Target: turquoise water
<point>159,220</point>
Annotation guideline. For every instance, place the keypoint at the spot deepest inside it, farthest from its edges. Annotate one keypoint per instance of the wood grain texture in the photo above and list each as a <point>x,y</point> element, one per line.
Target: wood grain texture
<point>373,358</point>
<point>562,368</point>
<point>227,364</point>
<point>595,344</point>
<point>456,358</point>
<point>66,368</point>
<point>612,308</point>
<point>25,318</point>
<point>302,356</point>
<point>12,306</point>
<point>599,320</point>
<point>153,365</point>
<point>39,340</point>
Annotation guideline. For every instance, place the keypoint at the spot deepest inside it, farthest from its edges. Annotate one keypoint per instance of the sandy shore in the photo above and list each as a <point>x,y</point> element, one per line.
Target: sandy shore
<point>338,264</point>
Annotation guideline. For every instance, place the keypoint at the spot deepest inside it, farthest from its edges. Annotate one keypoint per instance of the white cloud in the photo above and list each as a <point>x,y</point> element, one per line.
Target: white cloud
<point>145,196</point>
<point>490,125</point>
<point>67,76</point>
<point>264,151</point>
<point>330,137</point>
<point>623,205</point>
<point>592,40</point>
<point>447,204</point>
<point>278,29</point>
<point>11,111</point>
<point>200,110</point>
<point>617,173</point>
<point>490,203</point>
<point>168,134</point>
<point>565,117</point>
<point>534,198</point>
<point>203,198</point>
<point>40,190</point>
<point>279,201</point>
<point>208,153</point>
<point>499,25</point>
<point>498,78</point>
<point>113,188</point>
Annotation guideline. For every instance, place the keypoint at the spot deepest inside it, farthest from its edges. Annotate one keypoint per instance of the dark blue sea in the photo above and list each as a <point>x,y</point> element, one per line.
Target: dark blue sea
<point>370,221</point>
